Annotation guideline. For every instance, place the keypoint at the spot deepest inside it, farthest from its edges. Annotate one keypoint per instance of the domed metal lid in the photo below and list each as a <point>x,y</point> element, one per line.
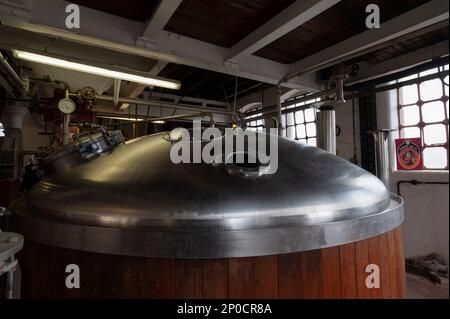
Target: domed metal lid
<point>135,201</point>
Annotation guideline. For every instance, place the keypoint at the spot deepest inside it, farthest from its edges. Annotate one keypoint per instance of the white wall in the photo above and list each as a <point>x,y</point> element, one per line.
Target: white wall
<point>426,226</point>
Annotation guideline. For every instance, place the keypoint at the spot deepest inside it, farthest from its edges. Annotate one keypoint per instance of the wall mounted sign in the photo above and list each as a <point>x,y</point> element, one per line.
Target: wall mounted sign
<point>409,154</point>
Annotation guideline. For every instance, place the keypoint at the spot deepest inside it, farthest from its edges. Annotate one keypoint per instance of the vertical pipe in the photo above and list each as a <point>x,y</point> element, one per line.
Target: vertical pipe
<point>116,96</point>
<point>66,129</point>
<point>9,281</point>
<point>340,90</point>
<point>20,85</point>
<point>382,155</point>
<point>387,119</point>
<point>326,129</point>
<point>13,115</point>
<point>280,122</point>
<point>66,122</point>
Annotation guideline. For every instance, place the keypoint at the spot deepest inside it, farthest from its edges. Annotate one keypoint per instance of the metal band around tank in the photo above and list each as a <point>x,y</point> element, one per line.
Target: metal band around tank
<point>279,238</point>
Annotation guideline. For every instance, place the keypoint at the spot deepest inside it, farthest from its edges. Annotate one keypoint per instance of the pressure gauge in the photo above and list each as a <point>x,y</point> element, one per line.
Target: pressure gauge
<point>66,106</point>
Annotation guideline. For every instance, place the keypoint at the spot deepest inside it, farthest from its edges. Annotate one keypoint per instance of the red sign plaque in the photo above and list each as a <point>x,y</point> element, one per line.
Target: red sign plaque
<point>409,154</point>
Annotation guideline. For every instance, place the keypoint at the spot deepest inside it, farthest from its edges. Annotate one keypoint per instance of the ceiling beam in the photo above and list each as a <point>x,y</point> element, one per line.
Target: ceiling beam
<point>428,14</point>
<point>118,34</point>
<point>160,17</point>
<point>134,89</point>
<point>298,13</point>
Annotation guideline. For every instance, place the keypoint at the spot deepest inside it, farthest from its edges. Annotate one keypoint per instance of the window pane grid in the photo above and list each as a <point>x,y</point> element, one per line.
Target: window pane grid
<point>423,113</point>
<point>255,125</point>
<point>301,125</point>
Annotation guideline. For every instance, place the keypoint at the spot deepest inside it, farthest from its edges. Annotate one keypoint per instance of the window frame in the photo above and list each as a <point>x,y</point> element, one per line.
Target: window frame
<point>308,105</point>
<point>444,100</point>
<point>255,125</point>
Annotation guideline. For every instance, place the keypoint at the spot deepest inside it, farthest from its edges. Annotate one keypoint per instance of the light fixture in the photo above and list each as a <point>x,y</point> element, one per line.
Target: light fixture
<point>159,122</point>
<point>60,63</point>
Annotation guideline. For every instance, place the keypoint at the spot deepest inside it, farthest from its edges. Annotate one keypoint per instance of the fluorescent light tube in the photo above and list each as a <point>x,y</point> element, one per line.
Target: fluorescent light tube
<point>60,63</point>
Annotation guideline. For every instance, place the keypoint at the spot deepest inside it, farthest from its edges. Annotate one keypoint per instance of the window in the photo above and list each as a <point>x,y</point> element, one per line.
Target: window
<point>301,124</point>
<point>423,112</point>
<point>255,125</point>
<point>2,131</point>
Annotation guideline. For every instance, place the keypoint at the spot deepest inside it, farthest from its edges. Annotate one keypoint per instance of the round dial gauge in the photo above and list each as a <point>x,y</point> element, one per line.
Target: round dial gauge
<point>66,106</point>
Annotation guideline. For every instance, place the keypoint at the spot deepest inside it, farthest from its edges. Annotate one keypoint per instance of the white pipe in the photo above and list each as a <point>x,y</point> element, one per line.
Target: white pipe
<point>382,155</point>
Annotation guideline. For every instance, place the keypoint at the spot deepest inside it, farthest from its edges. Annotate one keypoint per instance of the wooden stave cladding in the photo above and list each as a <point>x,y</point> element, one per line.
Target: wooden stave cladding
<point>336,272</point>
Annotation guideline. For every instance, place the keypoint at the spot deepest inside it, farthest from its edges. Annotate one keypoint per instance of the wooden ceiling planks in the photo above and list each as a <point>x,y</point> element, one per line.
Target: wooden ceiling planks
<point>340,22</point>
<point>137,10</point>
<point>404,46</point>
<point>226,22</point>
<point>223,22</point>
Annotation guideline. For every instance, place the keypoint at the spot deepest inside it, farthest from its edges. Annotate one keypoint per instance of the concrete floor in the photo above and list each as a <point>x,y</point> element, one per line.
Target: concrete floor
<point>420,288</point>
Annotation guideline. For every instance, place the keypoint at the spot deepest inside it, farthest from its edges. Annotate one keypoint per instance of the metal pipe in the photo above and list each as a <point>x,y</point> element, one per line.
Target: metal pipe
<point>117,84</point>
<point>279,115</point>
<point>346,96</point>
<point>66,122</point>
<point>285,111</point>
<point>168,118</point>
<point>340,90</point>
<point>382,155</point>
<point>9,283</point>
<point>321,94</point>
<point>417,182</point>
<point>339,75</point>
<point>20,85</point>
<point>48,81</point>
<point>409,82</point>
<point>326,129</point>
<point>243,91</point>
<point>109,98</point>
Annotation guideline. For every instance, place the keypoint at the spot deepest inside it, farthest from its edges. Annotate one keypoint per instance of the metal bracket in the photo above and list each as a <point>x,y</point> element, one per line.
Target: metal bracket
<point>232,64</point>
<point>146,43</point>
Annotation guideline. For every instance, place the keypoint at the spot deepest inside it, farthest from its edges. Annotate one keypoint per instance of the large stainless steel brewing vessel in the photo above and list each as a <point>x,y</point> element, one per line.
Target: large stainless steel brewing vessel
<point>134,201</point>
<point>224,231</point>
